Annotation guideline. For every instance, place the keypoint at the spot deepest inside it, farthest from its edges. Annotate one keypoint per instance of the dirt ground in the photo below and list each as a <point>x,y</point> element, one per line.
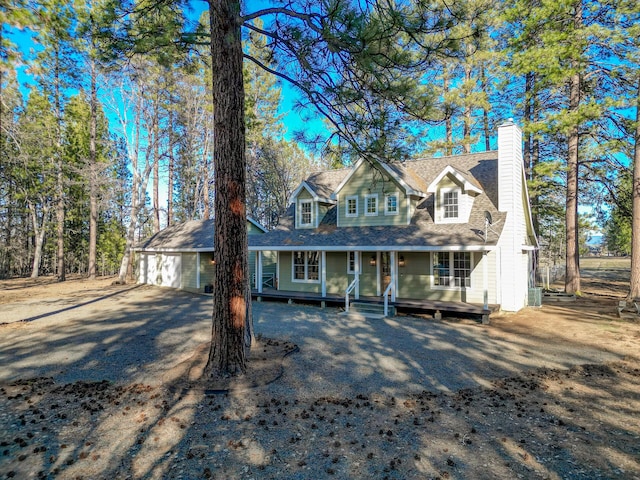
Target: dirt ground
<point>580,423</point>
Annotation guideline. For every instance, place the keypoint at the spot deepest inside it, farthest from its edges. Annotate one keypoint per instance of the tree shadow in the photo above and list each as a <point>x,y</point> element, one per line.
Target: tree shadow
<point>116,375</point>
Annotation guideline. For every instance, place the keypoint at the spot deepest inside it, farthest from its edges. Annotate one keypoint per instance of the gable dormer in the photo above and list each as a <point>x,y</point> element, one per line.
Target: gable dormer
<point>454,192</point>
<point>310,208</point>
<point>376,193</point>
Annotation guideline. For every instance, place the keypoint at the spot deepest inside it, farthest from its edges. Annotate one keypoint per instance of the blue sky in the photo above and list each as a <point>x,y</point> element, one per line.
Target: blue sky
<point>293,120</point>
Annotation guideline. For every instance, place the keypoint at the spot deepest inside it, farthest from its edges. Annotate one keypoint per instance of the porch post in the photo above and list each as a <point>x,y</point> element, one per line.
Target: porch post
<point>485,278</point>
<point>198,270</point>
<point>378,274</point>
<point>356,270</point>
<point>259,271</point>
<point>323,270</point>
<point>394,275</point>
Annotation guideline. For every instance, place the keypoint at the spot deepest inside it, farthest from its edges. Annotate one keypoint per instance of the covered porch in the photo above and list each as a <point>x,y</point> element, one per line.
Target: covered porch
<point>427,279</point>
<point>402,305</point>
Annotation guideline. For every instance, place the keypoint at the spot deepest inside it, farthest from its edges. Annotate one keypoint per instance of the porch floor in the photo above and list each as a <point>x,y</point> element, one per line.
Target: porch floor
<point>404,305</point>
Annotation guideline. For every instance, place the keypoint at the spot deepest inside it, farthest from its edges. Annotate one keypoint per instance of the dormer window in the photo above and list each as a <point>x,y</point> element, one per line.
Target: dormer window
<point>450,204</point>
<point>306,217</point>
<point>371,204</point>
<point>352,206</point>
<point>454,193</point>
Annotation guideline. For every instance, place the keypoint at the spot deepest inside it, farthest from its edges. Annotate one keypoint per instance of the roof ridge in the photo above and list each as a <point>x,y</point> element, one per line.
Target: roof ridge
<point>445,157</point>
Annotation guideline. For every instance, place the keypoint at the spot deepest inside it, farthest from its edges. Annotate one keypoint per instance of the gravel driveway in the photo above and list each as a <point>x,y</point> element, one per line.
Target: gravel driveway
<point>135,334</point>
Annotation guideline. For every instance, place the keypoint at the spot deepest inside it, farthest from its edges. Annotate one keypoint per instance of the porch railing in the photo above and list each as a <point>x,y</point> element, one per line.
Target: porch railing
<point>386,299</point>
<point>350,289</point>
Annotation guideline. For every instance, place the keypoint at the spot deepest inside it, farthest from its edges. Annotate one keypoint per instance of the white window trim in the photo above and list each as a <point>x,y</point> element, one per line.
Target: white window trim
<point>441,217</point>
<point>303,202</point>
<point>366,205</point>
<point>306,268</point>
<point>346,207</point>
<point>386,204</point>
<point>358,258</point>
<point>451,285</point>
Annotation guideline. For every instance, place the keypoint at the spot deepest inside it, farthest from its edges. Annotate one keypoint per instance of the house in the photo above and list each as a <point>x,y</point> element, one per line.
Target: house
<point>181,256</point>
<point>450,229</point>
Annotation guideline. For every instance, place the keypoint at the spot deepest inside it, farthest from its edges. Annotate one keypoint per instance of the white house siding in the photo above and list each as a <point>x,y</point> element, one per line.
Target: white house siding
<point>171,270</point>
<point>190,271</point>
<point>512,262</point>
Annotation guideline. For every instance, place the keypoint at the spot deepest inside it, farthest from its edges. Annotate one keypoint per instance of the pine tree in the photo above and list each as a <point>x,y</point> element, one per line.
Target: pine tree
<point>36,168</point>
<point>561,49</point>
<point>351,61</point>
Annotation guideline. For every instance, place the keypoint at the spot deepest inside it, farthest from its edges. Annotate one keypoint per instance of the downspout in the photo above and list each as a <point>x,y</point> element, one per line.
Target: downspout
<point>485,278</point>
<point>259,271</point>
<point>356,269</point>
<point>323,269</point>
<point>378,275</point>
<point>394,275</point>
<point>198,270</point>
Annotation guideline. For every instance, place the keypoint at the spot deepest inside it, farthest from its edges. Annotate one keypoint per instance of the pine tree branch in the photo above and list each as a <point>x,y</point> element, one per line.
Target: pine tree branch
<point>307,18</point>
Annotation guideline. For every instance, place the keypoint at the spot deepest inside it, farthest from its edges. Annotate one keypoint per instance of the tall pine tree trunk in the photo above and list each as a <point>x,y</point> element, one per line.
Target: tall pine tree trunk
<point>466,125</point>
<point>8,252</point>
<point>448,114</point>
<point>229,345</point>
<point>156,168</point>
<point>634,288</point>
<point>572,270</point>
<point>60,210</point>
<point>93,174</point>
<point>485,111</point>
<point>38,231</point>
<point>528,119</point>
<point>206,213</point>
<point>171,173</point>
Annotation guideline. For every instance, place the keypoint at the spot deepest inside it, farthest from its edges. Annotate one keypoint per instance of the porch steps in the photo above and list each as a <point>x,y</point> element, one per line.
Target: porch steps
<point>368,311</point>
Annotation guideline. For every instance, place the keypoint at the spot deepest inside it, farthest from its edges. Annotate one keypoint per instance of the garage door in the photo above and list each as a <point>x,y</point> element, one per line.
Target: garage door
<point>148,270</point>
<point>171,270</point>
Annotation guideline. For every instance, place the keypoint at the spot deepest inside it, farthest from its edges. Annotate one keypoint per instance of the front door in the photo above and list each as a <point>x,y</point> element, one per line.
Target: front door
<point>385,269</point>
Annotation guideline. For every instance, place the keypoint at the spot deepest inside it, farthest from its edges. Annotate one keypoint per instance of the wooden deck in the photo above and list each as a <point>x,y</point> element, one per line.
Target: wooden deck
<point>403,305</point>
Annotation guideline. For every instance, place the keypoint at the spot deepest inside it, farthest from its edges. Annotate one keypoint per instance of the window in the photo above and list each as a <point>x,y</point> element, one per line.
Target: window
<point>371,204</point>
<point>450,204</point>
<point>452,269</point>
<point>441,269</point>
<point>299,267</point>
<point>352,207</point>
<point>351,262</point>
<point>305,212</point>
<point>391,205</point>
<point>462,269</point>
<point>306,266</point>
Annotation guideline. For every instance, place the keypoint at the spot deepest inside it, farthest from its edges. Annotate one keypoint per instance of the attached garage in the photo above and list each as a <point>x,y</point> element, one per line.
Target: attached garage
<point>181,256</point>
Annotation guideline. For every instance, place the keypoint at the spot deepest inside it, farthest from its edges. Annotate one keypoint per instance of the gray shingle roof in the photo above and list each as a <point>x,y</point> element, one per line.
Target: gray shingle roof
<point>325,183</point>
<point>480,168</point>
<point>192,234</point>
<point>421,233</point>
<point>189,235</point>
